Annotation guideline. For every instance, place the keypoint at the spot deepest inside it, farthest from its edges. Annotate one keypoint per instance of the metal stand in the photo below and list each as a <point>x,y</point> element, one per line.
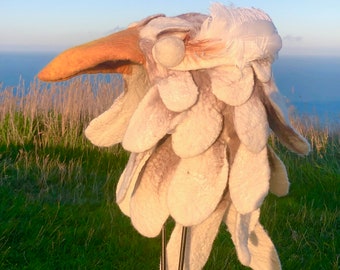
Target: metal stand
<point>163,258</point>
<point>182,250</point>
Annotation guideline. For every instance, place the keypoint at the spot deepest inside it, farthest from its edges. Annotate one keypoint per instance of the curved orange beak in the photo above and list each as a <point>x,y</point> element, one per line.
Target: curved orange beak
<point>112,54</point>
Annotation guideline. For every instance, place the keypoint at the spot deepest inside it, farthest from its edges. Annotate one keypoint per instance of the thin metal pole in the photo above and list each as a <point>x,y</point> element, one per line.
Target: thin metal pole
<point>182,251</point>
<point>163,258</point>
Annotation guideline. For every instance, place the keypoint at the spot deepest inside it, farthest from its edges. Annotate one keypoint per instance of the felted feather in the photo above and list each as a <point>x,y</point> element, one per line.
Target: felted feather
<point>240,226</point>
<point>229,20</point>
<point>248,185</point>
<point>279,182</point>
<point>229,135</point>
<point>127,181</point>
<point>251,124</point>
<point>145,21</point>
<point>263,252</point>
<point>199,242</point>
<point>178,91</point>
<point>200,128</point>
<point>160,25</point>
<point>148,206</point>
<point>241,238</point>
<point>249,33</point>
<point>262,69</point>
<point>254,247</point>
<point>232,85</point>
<point>232,36</point>
<point>244,225</point>
<point>133,167</point>
<point>197,185</point>
<point>279,121</point>
<point>150,122</point>
<point>109,128</point>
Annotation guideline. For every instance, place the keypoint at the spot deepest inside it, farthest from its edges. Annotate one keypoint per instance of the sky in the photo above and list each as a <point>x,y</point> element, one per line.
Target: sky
<point>307,27</point>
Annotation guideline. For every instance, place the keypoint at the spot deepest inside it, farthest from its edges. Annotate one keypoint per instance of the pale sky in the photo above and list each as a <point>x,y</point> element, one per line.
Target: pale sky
<point>307,27</point>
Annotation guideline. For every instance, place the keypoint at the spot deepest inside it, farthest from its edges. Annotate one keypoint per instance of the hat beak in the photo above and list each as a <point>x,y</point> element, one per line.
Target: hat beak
<point>112,54</point>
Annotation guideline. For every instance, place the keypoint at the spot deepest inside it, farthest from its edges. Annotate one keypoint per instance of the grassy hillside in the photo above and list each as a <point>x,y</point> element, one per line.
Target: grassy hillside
<point>58,210</point>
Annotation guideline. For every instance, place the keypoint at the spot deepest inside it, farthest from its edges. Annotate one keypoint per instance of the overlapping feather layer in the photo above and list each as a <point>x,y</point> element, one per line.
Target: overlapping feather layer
<point>198,136</point>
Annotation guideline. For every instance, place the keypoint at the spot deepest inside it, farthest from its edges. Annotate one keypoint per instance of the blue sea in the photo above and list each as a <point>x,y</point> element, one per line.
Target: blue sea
<point>311,84</point>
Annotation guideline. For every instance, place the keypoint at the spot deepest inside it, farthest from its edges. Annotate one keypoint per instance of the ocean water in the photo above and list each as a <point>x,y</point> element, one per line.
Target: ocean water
<point>310,84</point>
<point>14,66</point>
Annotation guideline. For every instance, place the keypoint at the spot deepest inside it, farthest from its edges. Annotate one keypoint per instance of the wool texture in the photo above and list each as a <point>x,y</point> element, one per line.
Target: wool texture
<point>199,104</point>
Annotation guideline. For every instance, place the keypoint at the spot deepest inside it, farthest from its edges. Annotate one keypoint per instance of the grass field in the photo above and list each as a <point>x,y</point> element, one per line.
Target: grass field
<point>58,209</point>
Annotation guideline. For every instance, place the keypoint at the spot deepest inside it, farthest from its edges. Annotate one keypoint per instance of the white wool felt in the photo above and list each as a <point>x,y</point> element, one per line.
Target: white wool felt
<point>169,51</point>
<point>254,239</point>
<point>178,91</point>
<point>241,238</point>
<point>148,206</point>
<point>281,126</point>
<point>199,242</point>
<point>197,185</point>
<point>251,125</point>
<point>249,179</point>
<point>262,69</point>
<point>149,123</point>
<point>232,85</point>
<point>248,32</point>
<point>263,251</point>
<point>109,128</point>
<point>163,24</point>
<point>133,167</point>
<point>145,21</point>
<point>240,226</point>
<point>279,182</point>
<point>244,225</point>
<point>199,129</point>
<point>229,20</point>
<point>128,179</point>
<point>276,99</point>
<point>232,36</point>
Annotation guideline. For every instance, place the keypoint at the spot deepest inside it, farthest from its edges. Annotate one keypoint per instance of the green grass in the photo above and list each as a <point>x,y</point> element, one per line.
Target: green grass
<point>58,209</point>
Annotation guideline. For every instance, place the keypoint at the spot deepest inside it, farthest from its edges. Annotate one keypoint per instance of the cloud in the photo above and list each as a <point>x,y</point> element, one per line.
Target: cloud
<point>291,38</point>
